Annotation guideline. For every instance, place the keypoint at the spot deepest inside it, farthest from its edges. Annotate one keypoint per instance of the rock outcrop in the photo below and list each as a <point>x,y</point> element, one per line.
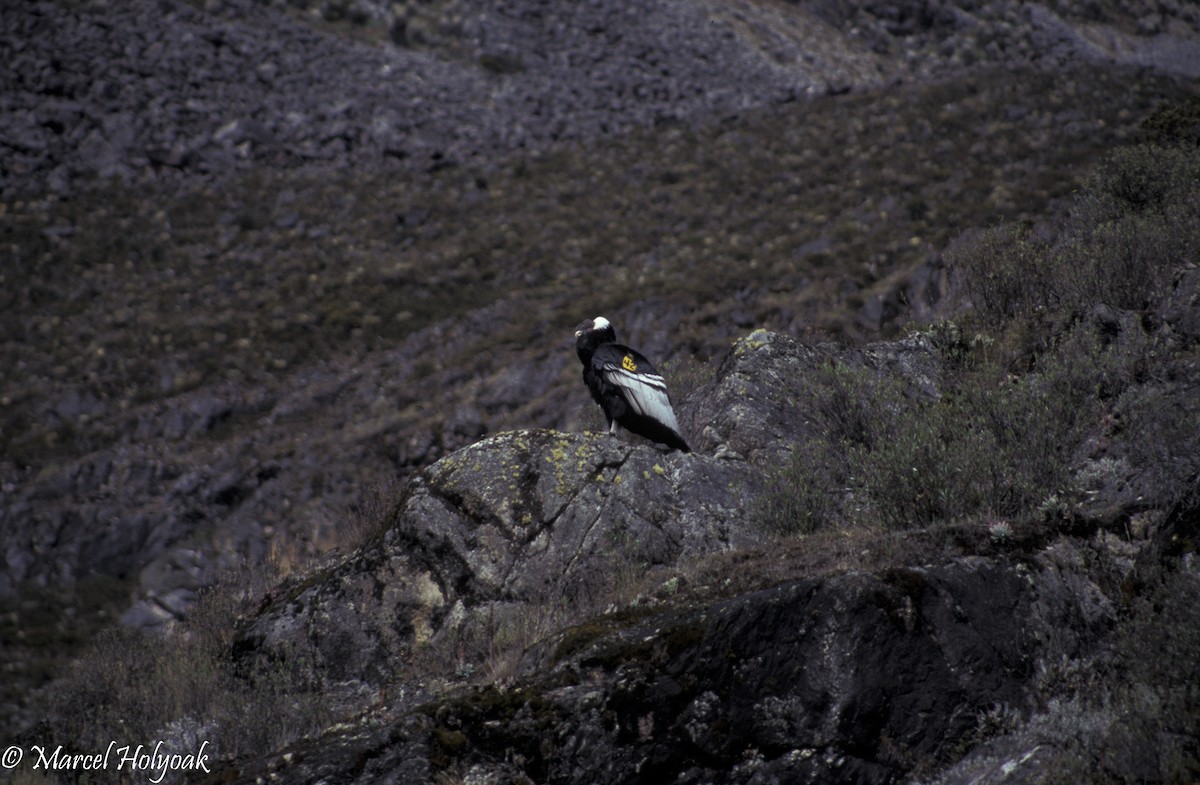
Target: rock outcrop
<point>872,675</point>
<point>855,677</point>
<point>495,529</point>
<point>157,160</point>
<point>755,408</point>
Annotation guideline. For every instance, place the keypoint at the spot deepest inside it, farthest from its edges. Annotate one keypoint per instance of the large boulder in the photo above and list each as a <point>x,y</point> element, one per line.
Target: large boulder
<point>853,677</point>
<point>498,530</point>
<point>760,404</point>
<point>867,675</point>
<point>494,529</point>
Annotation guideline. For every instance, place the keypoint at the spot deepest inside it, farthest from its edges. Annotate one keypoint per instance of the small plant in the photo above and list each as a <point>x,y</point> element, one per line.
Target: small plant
<point>184,685</point>
<point>1053,508</point>
<point>801,497</point>
<point>997,720</point>
<point>1000,531</point>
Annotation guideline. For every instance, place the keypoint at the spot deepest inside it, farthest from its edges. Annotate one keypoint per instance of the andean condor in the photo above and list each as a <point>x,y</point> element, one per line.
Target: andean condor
<point>627,387</point>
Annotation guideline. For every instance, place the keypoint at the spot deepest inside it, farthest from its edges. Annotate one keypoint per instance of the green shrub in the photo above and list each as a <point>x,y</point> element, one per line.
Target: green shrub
<point>1138,179</point>
<point>851,413</point>
<point>805,494</point>
<point>990,445</point>
<point>1134,222</point>
<point>183,688</point>
<point>1176,122</point>
<point>1007,274</point>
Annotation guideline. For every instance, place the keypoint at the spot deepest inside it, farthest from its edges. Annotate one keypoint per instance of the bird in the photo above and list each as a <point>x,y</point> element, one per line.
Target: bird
<point>632,393</point>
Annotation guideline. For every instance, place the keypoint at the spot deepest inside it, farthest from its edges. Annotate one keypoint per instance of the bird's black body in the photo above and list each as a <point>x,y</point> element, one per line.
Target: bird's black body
<point>628,388</point>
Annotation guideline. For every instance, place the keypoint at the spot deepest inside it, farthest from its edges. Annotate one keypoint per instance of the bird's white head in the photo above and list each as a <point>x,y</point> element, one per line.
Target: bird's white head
<point>599,323</point>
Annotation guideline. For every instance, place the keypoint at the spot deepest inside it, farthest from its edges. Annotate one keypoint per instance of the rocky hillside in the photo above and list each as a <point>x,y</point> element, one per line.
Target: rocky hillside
<point>171,92</point>
<point>185,92</point>
<point>552,607</point>
<point>292,285</point>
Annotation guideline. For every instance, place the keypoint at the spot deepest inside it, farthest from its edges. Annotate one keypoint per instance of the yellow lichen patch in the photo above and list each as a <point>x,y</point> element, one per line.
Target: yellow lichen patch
<point>450,463</point>
<point>429,595</point>
<point>557,457</point>
<point>751,342</point>
<point>584,453</point>
<point>659,470</point>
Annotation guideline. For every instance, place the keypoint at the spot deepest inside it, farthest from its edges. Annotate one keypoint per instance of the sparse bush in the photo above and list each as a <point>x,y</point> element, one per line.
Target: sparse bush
<point>1122,263</point>
<point>1139,179</point>
<point>1134,222</point>
<point>1006,276</point>
<point>804,495</point>
<point>183,687</point>
<point>814,486</point>
<point>1176,122</point>
<point>989,445</point>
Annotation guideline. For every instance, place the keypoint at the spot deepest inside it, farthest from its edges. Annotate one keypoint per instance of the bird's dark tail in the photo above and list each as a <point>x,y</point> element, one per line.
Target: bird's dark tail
<point>658,432</point>
<point>676,442</point>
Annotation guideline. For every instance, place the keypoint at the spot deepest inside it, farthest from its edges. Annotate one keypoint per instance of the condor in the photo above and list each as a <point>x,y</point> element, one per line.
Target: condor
<point>628,388</point>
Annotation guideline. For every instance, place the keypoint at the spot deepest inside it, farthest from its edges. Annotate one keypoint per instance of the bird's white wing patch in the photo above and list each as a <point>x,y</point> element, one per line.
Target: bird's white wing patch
<point>646,394</point>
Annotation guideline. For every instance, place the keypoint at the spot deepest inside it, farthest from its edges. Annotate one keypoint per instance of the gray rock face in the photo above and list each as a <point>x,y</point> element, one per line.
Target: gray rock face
<point>508,522</point>
<point>799,683</point>
<point>164,90</point>
<point>856,678</point>
<point>535,511</point>
<point>754,407</point>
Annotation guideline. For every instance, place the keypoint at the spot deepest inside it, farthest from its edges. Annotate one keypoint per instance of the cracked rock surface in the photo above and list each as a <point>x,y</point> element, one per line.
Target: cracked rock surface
<point>794,683</point>
<point>496,527</point>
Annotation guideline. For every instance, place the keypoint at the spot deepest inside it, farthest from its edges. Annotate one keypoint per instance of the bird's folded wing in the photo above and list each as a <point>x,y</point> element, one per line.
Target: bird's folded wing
<point>645,392</point>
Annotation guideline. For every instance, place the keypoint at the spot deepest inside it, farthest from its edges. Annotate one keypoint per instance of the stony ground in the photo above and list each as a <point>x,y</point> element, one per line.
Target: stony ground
<point>263,260</point>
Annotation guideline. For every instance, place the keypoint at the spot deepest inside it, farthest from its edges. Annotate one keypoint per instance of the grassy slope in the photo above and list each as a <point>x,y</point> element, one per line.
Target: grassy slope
<point>788,220</point>
<point>800,213</point>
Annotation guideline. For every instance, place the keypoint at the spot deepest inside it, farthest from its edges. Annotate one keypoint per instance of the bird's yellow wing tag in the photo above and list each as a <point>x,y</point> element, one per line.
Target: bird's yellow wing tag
<point>628,364</point>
